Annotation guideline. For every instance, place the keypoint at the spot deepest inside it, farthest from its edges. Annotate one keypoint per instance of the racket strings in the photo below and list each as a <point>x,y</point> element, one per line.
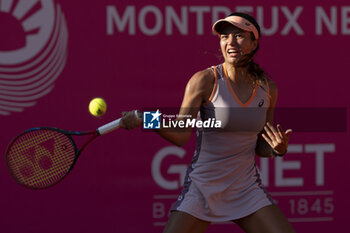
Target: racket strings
<point>40,158</point>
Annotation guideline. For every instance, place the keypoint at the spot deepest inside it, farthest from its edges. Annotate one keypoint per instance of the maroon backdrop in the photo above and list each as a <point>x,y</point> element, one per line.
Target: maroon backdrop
<point>56,55</point>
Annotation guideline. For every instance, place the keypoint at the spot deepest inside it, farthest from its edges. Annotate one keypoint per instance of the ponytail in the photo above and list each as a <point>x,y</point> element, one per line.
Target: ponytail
<point>252,69</point>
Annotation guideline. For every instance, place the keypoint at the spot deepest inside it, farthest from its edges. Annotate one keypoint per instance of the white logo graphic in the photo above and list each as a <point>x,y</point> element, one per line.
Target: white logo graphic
<point>151,120</point>
<point>34,53</point>
<point>179,169</point>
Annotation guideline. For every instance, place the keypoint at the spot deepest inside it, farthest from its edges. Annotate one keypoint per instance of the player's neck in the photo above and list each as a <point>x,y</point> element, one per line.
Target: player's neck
<point>236,75</point>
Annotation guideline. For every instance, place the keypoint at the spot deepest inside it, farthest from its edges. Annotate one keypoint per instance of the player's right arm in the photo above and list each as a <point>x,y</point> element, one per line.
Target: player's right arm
<point>197,92</point>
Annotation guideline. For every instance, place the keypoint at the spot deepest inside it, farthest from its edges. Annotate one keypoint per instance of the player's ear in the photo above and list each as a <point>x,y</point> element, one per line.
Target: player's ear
<point>255,44</point>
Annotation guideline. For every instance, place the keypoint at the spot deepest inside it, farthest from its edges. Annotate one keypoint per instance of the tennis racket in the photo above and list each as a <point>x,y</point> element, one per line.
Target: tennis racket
<point>41,157</point>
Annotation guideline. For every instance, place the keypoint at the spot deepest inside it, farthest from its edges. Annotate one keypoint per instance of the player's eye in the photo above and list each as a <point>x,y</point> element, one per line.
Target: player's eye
<point>223,36</point>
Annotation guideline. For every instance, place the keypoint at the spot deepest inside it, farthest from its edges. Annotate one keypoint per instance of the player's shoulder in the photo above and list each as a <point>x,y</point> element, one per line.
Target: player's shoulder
<point>272,85</point>
<point>273,90</point>
<point>203,78</point>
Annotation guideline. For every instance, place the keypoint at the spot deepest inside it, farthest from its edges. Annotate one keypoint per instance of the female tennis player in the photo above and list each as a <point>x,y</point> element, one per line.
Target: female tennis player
<point>223,182</point>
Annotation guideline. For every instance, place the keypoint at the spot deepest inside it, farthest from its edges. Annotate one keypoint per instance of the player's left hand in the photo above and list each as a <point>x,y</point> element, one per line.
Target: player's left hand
<point>276,138</point>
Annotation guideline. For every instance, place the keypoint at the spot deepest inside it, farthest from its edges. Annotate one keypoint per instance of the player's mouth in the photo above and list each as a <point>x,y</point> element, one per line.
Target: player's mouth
<point>232,52</point>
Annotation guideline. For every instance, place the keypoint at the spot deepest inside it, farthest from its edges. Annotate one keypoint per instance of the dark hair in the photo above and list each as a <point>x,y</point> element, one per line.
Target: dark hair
<point>249,18</point>
<point>258,74</point>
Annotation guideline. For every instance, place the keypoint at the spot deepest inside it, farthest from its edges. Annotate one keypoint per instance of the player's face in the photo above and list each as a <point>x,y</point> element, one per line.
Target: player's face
<point>235,42</point>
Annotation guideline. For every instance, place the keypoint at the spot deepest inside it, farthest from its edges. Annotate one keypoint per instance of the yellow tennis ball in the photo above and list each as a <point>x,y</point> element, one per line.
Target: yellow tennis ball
<point>97,107</point>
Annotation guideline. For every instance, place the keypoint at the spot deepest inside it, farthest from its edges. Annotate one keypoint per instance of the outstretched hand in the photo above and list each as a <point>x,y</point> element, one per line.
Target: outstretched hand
<point>130,120</point>
<point>276,138</point>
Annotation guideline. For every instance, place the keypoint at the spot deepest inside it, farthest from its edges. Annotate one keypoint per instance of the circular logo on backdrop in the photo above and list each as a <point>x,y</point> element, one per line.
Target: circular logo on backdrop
<point>33,51</point>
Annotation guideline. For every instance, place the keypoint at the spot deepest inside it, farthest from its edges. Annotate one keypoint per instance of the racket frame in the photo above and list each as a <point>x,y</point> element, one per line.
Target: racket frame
<point>104,129</point>
<point>69,135</point>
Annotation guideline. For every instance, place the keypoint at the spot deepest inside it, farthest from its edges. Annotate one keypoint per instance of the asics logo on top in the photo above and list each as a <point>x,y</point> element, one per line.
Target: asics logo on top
<point>261,103</point>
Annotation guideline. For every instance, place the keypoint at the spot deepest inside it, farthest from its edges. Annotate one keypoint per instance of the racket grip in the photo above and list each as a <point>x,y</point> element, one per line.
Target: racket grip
<point>104,129</point>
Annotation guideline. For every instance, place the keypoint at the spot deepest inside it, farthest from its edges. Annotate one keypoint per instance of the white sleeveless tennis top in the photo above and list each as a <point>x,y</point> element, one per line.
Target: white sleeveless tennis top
<point>222,181</point>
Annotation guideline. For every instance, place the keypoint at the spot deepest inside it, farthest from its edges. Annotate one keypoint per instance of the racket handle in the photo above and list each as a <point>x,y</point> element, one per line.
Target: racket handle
<point>104,129</point>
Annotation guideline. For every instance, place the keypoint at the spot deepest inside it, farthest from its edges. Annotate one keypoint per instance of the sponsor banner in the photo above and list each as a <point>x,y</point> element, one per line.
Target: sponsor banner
<point>57,55</point>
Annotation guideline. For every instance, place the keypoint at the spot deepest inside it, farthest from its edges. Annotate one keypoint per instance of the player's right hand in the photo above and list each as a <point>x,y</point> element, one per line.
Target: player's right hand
<point>130,120</point>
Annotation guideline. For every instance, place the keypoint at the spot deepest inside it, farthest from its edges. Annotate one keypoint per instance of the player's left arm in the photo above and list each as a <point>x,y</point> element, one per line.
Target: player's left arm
<point>272,140</point>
